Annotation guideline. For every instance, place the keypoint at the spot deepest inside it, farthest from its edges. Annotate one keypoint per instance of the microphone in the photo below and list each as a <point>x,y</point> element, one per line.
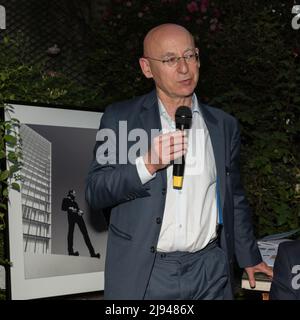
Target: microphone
<point>183,119</point>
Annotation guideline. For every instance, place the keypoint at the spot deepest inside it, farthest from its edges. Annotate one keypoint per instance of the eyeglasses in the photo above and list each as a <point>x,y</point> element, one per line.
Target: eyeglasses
<point>190,58</point>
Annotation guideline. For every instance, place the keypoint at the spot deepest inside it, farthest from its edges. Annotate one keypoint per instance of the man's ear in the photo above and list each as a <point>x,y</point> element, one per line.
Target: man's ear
<point>144,64</point>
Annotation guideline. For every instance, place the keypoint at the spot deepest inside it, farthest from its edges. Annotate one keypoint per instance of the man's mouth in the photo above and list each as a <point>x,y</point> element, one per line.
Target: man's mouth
<point>185,82</point>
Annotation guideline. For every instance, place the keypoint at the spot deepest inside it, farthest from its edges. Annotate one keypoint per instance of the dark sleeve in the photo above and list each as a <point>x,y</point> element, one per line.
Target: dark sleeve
<point>75,205</point>
<point>246,249</point>
<point>65,204</point>
<point>281,287</point>
<point>111,183</point>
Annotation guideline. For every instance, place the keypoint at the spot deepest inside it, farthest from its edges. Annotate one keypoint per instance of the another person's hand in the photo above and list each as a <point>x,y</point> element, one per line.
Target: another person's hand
<point>164,149</point>
<point>261,267</point>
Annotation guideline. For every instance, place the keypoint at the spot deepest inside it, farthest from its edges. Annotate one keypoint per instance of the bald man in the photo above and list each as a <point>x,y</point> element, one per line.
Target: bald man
<point>165,243</point>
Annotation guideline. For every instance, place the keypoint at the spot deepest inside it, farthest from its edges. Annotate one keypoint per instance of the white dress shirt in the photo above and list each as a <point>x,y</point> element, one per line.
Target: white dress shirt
<point>190,217</point>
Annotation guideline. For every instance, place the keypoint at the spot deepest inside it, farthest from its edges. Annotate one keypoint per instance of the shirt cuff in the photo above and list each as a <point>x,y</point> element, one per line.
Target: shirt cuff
<point>143,172</point>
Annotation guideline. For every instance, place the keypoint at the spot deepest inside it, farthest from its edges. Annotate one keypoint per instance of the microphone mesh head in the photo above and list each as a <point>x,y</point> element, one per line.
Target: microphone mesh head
<point>183,117</point>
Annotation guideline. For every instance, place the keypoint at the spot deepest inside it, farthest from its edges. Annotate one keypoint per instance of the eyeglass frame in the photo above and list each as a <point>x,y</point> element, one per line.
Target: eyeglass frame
<point>165,61</point>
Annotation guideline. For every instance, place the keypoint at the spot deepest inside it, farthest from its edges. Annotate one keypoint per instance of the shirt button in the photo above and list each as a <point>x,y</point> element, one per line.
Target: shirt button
<point>152,249</point>
<point>158,220</point>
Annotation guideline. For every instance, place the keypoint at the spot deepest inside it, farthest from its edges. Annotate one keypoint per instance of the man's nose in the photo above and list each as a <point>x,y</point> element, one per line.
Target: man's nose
<point>182,66</point>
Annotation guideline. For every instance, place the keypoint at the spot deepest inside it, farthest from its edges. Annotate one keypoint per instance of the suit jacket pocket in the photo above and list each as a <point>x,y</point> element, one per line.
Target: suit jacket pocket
<point>117,232</point>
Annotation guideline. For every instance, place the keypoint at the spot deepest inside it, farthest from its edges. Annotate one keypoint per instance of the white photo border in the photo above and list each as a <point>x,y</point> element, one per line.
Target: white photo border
<point>21,288</point>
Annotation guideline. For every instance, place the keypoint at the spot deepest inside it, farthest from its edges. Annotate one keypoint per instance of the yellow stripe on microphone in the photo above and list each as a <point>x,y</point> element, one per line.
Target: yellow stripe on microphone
<point>177,182</point>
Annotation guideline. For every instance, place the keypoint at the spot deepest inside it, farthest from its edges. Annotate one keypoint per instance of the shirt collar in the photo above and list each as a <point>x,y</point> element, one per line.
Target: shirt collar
<point>195,106</point>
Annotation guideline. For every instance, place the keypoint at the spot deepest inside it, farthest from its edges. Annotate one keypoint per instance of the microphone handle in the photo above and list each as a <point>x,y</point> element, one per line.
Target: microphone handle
<point>178,172</point>
<point>178,168</point>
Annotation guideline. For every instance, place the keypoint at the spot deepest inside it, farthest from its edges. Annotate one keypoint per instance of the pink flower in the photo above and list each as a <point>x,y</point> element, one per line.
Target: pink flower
<point>213,27</point>
<point>296,52</point>
<point>217,13</point>
<point>192,7</point>
<point>53,74</point>
<point>106,15</point>
<point>213,24</point>
<point>204,6</point>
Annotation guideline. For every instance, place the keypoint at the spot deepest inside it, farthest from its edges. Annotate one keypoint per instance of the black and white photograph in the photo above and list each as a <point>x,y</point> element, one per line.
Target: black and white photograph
<point>54,237</point>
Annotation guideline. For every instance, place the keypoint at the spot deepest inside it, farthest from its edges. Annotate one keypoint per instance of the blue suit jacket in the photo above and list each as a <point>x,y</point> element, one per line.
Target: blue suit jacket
<point>286,281</point>
<point>137,209</point>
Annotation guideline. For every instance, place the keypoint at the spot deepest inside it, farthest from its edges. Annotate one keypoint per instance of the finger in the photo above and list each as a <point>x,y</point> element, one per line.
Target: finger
<point>270,274</point>
<point>264,268</point>
<point>174,135</point>
<point>181,140</point>
<point>175,148</point>
<point>170,149</point>
<point>178,154</point>
<point>252,280</point>
<point>269,271</point>
<point>171,140</point>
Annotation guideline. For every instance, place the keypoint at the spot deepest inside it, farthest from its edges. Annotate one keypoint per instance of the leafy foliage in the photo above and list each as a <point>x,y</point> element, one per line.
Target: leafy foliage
<point>21,81</point>
<point>256,78</point>
<point>10,149</point>
<point>10,158</point>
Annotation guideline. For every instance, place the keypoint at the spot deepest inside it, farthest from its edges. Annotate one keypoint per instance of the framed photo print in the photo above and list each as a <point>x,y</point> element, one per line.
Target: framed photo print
<point>55,245</point>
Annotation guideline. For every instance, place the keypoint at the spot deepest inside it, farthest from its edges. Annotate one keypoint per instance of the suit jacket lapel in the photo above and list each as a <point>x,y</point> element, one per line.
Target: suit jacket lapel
<point>218,144</point>
<point>150,119</point>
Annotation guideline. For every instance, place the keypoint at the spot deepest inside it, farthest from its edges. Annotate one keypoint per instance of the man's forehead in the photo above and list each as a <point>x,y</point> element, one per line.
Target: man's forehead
<point>171,45</point>
<point>167,38</point>
<point>172,35</point>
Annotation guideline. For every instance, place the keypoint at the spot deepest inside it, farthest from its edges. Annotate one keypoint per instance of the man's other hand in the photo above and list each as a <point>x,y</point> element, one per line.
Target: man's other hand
<point>261,267</point>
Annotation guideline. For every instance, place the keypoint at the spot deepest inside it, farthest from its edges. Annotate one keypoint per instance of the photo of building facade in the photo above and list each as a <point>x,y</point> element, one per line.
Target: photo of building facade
<point>36,191</point>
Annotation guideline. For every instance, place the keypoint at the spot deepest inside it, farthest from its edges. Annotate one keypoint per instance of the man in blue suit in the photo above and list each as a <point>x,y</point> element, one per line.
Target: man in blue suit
<point>286,281</point>
<point>165,243</point>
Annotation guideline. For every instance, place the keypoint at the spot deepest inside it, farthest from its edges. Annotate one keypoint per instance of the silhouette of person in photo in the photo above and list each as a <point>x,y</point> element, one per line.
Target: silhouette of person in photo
<point>75,217</point>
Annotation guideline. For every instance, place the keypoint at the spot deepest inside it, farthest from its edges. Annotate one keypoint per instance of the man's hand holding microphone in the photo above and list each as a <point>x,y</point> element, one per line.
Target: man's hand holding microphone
<point>171,147</point>
<point>165,148</point>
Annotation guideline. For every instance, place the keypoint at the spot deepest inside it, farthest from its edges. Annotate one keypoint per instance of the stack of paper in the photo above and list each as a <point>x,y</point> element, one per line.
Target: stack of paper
<point>268,250</point>
<point>268,245</point>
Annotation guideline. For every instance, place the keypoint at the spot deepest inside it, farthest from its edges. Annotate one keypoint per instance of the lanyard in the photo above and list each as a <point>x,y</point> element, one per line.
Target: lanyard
<point>220,213</point>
